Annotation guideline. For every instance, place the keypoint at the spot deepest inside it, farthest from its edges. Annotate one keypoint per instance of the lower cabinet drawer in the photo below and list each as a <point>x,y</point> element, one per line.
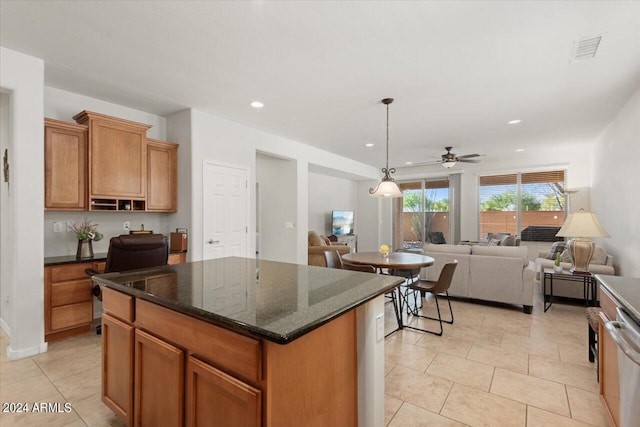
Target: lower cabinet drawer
<point>70,292</point>
<point>71,315</point>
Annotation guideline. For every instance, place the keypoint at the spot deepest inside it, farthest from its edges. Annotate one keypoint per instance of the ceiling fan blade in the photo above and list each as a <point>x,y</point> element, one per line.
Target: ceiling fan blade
<point>467,156</point>
<point>431,162</point>
<point>468,160</point>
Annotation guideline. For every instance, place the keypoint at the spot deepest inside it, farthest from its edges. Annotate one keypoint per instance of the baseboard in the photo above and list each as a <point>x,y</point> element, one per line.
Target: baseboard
<point>26,352</point>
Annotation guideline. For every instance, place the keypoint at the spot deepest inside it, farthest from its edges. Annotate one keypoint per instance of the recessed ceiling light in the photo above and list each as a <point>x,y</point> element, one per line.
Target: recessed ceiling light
<point>408,163</point>
<point>257,104</point>
<point>514,122</point>
<point>368,145</point>
<point>519,150</point>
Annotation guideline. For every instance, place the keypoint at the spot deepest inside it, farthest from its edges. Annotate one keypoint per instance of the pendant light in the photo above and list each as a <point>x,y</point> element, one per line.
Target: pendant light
<point>387,186</point>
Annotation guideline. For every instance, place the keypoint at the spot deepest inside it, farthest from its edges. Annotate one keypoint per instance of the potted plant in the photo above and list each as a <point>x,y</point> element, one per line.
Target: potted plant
<point>557,267</point>
<point>86,233</point>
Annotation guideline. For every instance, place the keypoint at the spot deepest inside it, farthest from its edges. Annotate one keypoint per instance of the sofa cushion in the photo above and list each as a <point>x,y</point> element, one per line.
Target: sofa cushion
<point>450,249</point>
<point>509,241</point>
<point>325,240</point>
<point>315,239</point>
<point>599,256</point>
<point>502,251</point>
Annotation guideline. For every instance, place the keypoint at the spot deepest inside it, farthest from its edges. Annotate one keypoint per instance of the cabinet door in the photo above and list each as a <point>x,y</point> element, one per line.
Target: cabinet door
<point>117,367</point>
<point>162,184</point>
<point>214,398</point>
<point>159,382</point>
<point>608,365</point>
<point>65,166</point>
<point>118,161</point>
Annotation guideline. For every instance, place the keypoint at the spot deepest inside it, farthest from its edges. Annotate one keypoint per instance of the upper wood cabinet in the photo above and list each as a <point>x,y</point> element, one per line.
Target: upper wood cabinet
<point>117,156</point>
<point>65,165</point>
<point>162,179</point>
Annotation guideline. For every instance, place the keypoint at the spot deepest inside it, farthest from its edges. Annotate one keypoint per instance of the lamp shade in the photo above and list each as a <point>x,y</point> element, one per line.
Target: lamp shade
<point>386,188</point>
<point>582,224</point>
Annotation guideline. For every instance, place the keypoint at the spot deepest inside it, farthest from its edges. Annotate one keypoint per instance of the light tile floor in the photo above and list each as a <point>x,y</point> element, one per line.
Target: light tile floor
<point>496,366</point>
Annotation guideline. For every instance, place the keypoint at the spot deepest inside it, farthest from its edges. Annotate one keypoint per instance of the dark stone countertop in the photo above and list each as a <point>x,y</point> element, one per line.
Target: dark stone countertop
<point>272,300</point>
<point>625,290</point>
<point>71,259</point>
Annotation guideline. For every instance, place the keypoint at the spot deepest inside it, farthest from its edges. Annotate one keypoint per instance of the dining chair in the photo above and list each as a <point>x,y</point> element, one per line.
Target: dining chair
<point>333,259</point>
<point>439,287</point>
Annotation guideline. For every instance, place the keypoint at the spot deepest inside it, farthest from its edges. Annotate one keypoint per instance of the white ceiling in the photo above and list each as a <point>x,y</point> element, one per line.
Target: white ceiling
<point>458,70</point>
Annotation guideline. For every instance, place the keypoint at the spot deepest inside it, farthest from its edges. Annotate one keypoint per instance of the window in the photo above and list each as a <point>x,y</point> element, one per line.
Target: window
<point>422,215</point>
<point>530,205</point>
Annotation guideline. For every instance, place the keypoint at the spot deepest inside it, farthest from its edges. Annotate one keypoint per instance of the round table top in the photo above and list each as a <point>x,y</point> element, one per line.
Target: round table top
<point>403,260</point>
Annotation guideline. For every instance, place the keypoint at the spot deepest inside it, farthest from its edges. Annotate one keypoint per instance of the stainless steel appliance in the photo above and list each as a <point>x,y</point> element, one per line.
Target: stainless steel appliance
<point>625,331</point>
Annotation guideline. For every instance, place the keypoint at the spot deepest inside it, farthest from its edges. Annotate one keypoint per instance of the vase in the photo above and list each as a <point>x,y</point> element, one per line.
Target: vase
<point>557,268</point>
<point>385,254</point>
<point>85,249</point>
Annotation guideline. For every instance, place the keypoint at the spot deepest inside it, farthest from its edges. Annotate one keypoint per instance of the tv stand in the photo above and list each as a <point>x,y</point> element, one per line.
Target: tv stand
<point>350,240</point>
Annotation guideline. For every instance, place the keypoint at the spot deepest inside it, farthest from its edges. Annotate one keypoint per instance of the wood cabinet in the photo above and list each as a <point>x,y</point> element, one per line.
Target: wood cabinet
<point>117,159</point>
<point>65,165</point>
<point>68,301</point>
<point>608,360</point>
<point>117,363</point>
<point>162,176</point>
<point>215,398</point>
<point>192,372</point>
<point>159,382</point>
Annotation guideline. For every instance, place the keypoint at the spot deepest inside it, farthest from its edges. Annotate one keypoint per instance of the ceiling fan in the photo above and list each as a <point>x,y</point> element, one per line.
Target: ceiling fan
<point>449,159</point>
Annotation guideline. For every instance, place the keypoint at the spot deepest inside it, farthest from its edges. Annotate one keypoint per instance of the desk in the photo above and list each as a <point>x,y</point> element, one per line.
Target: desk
<point>394,260</point>
<point>588,283</point>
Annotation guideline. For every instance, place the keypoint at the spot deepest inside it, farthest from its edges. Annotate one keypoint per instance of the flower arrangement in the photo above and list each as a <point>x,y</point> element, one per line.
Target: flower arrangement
<point>384,249</point>
<point>86,231</point>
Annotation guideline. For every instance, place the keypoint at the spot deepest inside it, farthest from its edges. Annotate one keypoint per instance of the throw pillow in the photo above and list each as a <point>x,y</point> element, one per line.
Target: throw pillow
<point>557,247</point>
<point>494,242</point>
<point>565,256</point>
<point>507,240</point>
<point>326,240</point>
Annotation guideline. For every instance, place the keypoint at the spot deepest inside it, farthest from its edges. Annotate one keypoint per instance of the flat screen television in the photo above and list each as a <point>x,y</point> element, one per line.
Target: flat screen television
<point>341,222</point>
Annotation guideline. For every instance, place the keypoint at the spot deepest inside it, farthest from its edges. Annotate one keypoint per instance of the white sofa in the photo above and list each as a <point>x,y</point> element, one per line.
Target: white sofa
<point>601,263</point>
<point>492,273</point>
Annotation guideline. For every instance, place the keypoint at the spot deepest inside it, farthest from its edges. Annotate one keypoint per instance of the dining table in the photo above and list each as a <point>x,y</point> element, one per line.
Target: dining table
<point>399,261</point>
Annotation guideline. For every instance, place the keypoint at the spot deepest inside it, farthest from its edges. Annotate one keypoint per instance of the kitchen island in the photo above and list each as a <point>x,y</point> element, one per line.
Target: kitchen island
<point>238,341</point>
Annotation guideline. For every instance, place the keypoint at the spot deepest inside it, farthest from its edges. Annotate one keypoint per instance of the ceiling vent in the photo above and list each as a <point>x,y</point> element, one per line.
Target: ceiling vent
<point>585,48</point>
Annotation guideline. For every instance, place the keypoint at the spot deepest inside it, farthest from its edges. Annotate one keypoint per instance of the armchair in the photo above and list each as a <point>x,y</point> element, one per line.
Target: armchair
<point>318,245</point>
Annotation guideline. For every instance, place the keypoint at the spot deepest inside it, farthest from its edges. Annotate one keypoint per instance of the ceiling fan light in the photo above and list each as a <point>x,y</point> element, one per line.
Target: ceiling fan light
<point>448,164</point>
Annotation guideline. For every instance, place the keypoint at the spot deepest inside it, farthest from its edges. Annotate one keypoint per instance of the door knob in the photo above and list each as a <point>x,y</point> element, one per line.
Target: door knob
<point>211,241</point>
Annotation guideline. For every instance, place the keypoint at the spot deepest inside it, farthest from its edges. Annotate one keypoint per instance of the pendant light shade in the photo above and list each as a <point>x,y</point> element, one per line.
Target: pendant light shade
<point>387,186</point>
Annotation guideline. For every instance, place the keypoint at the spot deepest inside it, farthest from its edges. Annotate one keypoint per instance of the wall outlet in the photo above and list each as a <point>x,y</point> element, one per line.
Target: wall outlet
<point>58,227</point>
<point>126,225</point>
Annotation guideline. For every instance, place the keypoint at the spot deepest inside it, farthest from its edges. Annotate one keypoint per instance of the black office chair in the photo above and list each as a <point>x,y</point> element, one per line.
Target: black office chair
<point>132,252</point>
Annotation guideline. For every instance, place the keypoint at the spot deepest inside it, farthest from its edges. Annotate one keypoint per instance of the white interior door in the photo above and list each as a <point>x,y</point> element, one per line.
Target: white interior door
<point>225,215</point>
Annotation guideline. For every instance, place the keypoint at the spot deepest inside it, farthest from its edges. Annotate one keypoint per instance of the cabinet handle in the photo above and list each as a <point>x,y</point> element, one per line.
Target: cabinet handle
<point>211,241</point>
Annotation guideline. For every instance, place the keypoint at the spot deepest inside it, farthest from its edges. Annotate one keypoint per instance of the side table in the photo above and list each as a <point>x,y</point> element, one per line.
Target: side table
<point>588,281</point>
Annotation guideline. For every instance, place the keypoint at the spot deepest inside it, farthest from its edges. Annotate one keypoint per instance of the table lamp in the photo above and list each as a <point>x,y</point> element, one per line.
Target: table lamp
<point>581,225</point>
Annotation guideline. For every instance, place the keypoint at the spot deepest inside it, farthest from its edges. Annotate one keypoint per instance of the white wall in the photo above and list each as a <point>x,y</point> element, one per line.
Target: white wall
<point>278,206</point>
<point>22,76</point>
<point>63,105</point>
<point>5,254</point>
<point>219,139</point>
<point>615,193</point>
<point>328,193</point>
